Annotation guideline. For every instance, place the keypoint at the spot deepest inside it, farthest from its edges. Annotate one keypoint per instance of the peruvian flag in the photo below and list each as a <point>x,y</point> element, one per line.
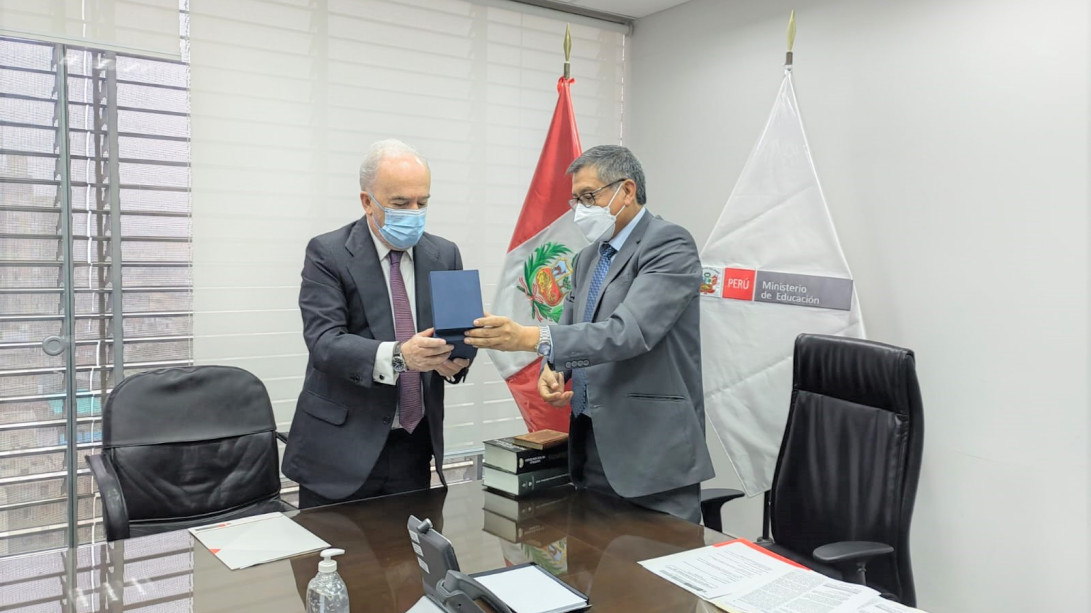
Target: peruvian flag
<point>537,270</point>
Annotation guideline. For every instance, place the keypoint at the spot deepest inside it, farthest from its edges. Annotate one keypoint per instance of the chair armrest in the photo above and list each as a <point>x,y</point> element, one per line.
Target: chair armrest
<point>282,437</point>
<point>850,551</point>
<point>115,515</point>
<point>711,501</point>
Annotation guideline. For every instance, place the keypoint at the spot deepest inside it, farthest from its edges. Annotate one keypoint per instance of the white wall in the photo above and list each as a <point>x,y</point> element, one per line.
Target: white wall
<point>951,137</point>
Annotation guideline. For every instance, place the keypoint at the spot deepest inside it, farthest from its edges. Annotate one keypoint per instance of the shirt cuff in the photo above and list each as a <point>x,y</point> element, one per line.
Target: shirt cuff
<point>383,372</point>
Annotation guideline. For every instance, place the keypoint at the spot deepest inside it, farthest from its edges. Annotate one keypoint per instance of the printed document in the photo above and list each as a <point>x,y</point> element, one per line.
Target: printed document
<point>800,591</point>
<point>741,577</point>
<point>714,571</point>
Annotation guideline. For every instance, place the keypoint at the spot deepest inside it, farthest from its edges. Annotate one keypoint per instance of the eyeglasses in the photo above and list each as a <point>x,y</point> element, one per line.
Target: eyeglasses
<point>589,199</point>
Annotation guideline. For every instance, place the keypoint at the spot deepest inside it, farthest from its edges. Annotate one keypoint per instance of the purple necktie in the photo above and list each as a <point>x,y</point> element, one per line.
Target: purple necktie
<point>410,406</point>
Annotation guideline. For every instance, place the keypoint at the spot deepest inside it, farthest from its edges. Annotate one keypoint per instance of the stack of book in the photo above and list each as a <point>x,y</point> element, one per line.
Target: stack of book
<point>527,463</point>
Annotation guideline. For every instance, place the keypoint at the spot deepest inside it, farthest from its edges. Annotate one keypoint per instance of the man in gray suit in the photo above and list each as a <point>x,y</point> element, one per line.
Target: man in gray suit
<point>370,417</point>
<point>630,340</point>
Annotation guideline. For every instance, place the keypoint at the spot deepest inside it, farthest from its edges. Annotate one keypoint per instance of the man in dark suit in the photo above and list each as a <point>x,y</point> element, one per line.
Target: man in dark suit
<point>630,339</point>
<point>370,417</point>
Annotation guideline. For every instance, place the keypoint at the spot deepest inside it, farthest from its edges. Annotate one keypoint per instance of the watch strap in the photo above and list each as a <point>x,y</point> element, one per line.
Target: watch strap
<point>545,341</point>
<point>398,359</point>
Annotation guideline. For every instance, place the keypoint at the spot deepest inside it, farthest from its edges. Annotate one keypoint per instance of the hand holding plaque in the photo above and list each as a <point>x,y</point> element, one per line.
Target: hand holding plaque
<point>456,303</point>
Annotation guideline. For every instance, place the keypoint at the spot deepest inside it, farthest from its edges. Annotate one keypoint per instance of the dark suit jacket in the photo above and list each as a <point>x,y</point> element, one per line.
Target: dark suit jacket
<point>641,353</point>
<point>343,418</point>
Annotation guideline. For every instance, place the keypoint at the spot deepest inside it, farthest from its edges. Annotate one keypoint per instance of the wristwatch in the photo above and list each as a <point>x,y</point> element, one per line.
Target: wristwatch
<point>398,361</point>
<point>545,341</point>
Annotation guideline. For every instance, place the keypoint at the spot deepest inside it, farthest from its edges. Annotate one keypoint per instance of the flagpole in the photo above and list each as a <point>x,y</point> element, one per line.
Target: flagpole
<point>567,51</point>
<point>791,41</point>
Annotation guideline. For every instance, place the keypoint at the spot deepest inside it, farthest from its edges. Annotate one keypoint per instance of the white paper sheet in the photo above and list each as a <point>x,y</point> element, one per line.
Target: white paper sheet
<point>425,606</point>
<point>882,605</point>
<point>741,577</point>
<point>796,592</point>
<point>530,589</point>
<point>716,570</point>
<point>245,542</point>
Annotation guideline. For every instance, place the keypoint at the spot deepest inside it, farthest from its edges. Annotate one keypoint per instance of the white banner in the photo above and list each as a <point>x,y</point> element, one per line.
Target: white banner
<point>773,269</point>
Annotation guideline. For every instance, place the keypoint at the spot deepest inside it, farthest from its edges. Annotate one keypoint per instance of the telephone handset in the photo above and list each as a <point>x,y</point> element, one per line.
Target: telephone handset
<point>458,591</point>
<point>444,583</point>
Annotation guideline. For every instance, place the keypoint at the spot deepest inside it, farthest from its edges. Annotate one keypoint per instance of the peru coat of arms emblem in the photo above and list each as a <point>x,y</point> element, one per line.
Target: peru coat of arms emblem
<point>547,279</point>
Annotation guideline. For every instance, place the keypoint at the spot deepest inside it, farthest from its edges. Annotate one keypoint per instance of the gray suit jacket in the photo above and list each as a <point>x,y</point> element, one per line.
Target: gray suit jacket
<point>343,418</point>
<point>642,355</point>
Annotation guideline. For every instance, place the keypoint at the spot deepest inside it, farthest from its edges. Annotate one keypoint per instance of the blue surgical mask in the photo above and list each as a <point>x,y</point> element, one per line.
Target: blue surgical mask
<point>402,228</point>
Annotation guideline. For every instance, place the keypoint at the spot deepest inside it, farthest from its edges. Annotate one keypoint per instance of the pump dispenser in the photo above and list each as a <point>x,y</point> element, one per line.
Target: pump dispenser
<point>328,564</point>
<point>327,593</point>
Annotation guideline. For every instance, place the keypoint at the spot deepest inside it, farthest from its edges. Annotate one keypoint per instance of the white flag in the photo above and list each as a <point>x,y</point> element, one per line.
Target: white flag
<point>773,269</point>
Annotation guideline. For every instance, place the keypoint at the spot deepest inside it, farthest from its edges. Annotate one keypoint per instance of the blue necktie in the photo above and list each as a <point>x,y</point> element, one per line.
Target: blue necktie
<point>579,377</point>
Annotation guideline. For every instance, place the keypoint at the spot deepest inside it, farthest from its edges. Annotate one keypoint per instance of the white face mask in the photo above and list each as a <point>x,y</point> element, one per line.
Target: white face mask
<point>596,222</point>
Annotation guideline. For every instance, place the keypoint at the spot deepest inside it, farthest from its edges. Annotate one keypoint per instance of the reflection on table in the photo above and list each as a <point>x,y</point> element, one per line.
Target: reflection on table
<point>591,542</point>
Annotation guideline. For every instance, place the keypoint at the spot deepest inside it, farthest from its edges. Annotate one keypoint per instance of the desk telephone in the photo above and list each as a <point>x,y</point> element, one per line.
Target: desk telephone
<point>444,583</point>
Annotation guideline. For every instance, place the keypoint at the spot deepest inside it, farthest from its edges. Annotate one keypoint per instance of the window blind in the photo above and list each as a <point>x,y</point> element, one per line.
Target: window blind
<point>145,27</point>
<point>286,98</point>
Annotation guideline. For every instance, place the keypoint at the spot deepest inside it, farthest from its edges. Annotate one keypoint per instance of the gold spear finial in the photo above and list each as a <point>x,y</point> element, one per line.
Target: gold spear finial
<point>567,51</point>
<point>791,38</point>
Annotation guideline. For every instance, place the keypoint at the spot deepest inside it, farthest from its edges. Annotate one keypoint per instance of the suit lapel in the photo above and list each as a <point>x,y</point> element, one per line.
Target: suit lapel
<point>622,258</point>
<point>425,260</point>
<point>367,273</point>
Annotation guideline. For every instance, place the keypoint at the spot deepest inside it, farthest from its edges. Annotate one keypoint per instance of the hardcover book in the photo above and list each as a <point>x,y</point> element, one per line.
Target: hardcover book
<point>504,454</point>
<point>542,439</point>
<point>524,483</point>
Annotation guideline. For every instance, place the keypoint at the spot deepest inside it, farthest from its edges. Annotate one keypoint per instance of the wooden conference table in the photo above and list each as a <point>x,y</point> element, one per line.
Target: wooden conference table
<point>591,542</point>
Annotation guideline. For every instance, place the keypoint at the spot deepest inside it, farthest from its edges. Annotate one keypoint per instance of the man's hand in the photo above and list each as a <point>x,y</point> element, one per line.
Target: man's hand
<point>500,333</point>
<point>551,387</point>
<point>451,368</point>
<point>424,353</point>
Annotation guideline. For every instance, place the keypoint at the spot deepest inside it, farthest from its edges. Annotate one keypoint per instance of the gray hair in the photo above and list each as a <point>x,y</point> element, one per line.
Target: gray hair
<point>612,163</point>
<point>379,151</point>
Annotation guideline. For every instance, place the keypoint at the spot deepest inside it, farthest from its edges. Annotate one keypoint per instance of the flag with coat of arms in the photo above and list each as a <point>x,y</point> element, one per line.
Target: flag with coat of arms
<point>536,275</point>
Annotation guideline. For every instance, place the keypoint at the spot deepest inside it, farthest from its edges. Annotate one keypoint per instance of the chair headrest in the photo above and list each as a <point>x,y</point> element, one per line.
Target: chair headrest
<point>176,405</point>
<point>861,371</point>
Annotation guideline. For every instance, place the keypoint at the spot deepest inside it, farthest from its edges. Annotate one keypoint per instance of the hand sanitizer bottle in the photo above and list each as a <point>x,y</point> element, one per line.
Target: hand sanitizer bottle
<point>326,593</point>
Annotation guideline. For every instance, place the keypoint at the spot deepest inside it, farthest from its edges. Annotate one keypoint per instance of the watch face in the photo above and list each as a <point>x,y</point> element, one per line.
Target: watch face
<point>543,349</point>
<point>398,362</point>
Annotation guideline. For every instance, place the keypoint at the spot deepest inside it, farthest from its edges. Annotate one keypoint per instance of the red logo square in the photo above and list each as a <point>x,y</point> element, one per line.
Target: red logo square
<point>739,283</point>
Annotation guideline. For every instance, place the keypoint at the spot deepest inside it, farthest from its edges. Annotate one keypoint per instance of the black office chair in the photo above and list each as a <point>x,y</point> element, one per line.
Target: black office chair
<point>712,502</point>
<point>186,446</point>
<point>846,477</point>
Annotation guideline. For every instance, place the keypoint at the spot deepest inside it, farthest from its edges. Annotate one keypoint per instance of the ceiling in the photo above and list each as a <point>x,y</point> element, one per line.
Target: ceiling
<point>628,8</point>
